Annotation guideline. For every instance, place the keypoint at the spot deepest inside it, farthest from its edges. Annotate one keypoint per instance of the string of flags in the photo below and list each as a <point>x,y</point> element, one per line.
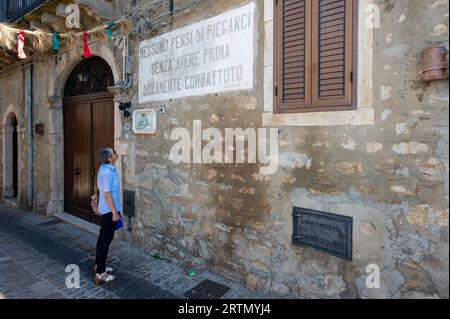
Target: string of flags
<point>20,45</point>
<point>13,39</point>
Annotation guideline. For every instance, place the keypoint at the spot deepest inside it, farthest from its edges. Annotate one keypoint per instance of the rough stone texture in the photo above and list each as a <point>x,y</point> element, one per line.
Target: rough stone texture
<point>391,177</point>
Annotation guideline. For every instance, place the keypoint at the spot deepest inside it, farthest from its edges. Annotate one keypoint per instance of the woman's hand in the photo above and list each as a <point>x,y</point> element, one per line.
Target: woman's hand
<point>116,217</point>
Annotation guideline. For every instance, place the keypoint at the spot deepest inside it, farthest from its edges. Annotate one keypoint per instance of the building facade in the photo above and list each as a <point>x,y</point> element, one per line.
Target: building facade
<point>359,132</point>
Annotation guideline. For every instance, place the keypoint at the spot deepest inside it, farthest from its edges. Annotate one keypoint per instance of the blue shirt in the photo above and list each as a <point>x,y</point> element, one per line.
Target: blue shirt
<point>108,181</point>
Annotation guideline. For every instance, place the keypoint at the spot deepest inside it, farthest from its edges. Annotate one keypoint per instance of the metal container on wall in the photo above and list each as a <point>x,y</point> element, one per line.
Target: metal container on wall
<point>435,64</point>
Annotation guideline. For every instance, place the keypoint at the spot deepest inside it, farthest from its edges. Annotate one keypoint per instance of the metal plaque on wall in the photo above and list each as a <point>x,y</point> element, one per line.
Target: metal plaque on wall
<point>324,231</point>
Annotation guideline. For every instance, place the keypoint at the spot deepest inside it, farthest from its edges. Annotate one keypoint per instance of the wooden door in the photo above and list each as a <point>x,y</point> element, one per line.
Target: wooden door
<point>88,127</point>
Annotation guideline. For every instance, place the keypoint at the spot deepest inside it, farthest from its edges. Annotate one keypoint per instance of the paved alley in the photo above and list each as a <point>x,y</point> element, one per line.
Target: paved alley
<point>35,251</point>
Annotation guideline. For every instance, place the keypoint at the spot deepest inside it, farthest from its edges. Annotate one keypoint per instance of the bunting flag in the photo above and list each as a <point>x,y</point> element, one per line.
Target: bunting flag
<point>109,30</point>
<point>55,42</point>
<point>86,51</point>
<point>20,44</point>
<point>13,39</point>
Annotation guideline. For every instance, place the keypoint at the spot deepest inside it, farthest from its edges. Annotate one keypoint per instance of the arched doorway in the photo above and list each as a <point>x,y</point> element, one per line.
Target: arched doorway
<point>11,158</point>
<point>88,111</point>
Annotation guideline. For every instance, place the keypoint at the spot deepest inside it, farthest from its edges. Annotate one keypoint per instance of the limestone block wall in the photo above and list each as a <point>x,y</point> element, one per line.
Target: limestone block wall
<point>389,172</point>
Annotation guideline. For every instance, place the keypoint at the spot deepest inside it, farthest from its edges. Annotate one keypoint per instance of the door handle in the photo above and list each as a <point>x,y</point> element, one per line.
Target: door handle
<point>77,171</point>
<point>92,171</point>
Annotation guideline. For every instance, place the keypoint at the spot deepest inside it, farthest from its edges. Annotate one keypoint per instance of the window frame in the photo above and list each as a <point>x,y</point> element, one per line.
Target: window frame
<point>277,63</point>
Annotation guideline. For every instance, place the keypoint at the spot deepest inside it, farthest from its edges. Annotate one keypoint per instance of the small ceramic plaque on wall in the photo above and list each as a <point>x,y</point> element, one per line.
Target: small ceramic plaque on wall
<point>127,126</point>
<point>145,121</point>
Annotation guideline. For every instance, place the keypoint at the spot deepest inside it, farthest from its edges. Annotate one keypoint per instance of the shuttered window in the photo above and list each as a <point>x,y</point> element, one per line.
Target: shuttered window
<point>314,55</point>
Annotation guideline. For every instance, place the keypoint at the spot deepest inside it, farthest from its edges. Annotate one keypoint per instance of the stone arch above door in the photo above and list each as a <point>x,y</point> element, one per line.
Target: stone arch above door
<point>92,75</point>
<point>11,109</point>
<point>71,60</point>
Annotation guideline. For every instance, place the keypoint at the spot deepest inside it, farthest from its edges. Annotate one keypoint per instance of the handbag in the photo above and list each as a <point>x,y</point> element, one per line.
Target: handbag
<point>118,224</point>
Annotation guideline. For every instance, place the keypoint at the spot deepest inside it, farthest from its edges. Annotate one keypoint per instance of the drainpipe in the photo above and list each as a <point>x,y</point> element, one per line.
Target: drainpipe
<point>171,7</point>
<point>126,81</point>
<point>29,108</point>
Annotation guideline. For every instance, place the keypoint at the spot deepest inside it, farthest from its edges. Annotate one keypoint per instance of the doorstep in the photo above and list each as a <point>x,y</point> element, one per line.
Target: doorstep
<point>78,222</point>
<point>11,202</point>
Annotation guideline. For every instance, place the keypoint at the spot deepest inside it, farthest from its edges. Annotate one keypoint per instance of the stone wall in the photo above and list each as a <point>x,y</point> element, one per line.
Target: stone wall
<point>12,100</point>
<point>391,177</point>
<point>390,173</point>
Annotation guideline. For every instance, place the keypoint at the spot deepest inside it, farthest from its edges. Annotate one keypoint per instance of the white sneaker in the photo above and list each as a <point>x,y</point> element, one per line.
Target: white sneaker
<point>104,278</point>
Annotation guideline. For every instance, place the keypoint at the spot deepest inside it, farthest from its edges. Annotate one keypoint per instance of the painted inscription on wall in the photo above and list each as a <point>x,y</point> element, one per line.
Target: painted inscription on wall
<point>211,56</point>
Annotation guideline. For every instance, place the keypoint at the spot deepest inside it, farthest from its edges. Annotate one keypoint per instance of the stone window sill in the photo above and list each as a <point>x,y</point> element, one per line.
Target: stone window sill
<point>361,116</point>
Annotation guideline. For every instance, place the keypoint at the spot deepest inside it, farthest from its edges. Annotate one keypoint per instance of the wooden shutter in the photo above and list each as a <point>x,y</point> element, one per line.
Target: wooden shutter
<point>293,53</point>
<point>314,58</point>
<point>332,44</point>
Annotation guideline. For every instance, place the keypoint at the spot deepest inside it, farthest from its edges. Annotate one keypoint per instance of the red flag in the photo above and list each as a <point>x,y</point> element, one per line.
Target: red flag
<point>20,44</point>
<point>86,51</point>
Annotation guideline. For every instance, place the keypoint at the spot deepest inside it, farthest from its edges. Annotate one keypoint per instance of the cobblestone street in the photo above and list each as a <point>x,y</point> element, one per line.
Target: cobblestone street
<point>35,251</point>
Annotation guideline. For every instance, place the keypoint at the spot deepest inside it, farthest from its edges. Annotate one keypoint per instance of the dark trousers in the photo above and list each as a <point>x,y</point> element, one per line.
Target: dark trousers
<point>105,238</point>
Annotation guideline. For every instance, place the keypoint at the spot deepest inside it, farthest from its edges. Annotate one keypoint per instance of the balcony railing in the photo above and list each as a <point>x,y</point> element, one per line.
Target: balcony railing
<point>12,10</point>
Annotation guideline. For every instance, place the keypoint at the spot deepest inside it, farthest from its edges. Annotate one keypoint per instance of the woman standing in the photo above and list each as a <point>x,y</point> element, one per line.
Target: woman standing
<point>109,209</point>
